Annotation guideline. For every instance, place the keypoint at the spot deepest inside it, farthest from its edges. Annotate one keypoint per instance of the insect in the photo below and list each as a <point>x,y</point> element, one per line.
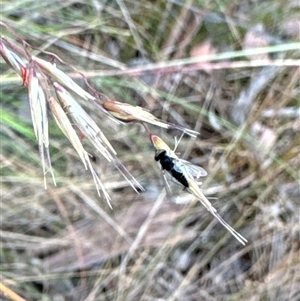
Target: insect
<point>186,174</point>
<point>167,163</point>
<point>179,169</point>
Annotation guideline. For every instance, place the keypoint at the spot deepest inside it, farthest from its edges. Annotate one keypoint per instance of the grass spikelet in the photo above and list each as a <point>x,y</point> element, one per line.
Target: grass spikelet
<point>128,113</point>
<point>90,129</point>
<point>159,144</point>
<point>65,125</point>
<point>13,60</point>
<point>84,122</point>
<point>38,107</point>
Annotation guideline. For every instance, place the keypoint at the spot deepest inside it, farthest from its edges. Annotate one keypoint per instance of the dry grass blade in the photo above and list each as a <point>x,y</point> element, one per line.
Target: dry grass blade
<point>137,187</point>
<point>65,125</point>
<point>9,293</point>
<point>128,113</point>
<point>122,234</point>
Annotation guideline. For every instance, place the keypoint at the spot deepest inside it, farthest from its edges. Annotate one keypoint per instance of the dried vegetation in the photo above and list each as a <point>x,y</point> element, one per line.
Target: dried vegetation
<point>229,70</point>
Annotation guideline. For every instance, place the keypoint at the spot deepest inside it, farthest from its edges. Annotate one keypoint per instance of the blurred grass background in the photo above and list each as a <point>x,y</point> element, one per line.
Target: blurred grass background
<point>64,243</point>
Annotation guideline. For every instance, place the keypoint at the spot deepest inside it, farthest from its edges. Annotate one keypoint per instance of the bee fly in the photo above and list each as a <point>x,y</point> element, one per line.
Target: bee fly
<point>167,163</point>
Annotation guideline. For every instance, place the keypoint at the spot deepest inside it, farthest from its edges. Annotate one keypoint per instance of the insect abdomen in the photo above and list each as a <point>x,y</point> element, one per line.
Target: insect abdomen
<point>168,164</point>
<point>179,176</point>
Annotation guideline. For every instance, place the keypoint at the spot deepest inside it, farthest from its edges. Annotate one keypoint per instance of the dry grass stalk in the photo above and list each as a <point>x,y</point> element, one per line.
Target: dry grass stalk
<point>9,293</point>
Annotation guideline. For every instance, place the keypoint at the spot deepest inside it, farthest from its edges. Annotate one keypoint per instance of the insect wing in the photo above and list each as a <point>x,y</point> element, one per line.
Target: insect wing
<point>190,170</point>
<point>194,171</point>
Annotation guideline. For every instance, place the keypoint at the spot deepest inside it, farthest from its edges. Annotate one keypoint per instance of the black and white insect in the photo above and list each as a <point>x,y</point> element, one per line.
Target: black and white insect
<point>186,175</point>
<point>171,166</point>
